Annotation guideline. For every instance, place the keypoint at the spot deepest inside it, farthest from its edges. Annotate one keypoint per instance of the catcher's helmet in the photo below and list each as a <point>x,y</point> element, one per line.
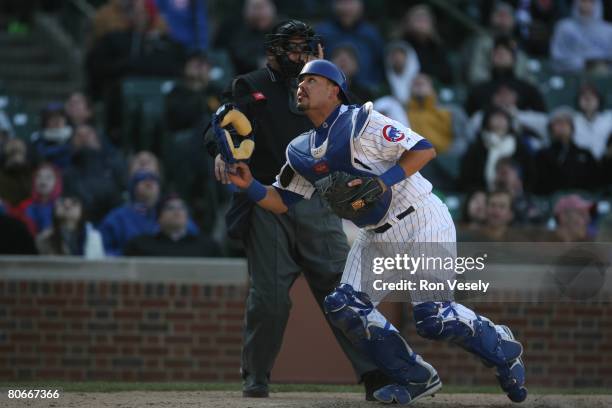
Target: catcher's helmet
<point>328,70</point>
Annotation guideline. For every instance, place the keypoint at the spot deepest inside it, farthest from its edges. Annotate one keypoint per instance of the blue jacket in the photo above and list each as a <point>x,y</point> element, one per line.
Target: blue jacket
<point>189,29</point>
<point>41,214</point>
<point>128,221</point>
<point>366,40</point>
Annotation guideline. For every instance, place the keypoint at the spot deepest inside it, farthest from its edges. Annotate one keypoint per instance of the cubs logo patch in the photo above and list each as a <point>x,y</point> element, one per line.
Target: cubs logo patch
<point>321,167</point>
<point>393,134</point>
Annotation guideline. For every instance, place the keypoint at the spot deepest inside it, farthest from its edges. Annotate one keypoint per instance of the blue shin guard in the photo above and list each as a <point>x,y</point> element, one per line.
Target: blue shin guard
<point>479,336</point>
<point>354,314</point>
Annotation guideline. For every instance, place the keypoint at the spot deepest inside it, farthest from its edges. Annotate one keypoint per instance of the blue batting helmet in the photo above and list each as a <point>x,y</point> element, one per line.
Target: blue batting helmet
<point>328,70</point>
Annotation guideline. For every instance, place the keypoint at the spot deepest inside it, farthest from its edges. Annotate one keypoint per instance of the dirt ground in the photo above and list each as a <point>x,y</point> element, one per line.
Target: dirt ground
<point>225,399</point>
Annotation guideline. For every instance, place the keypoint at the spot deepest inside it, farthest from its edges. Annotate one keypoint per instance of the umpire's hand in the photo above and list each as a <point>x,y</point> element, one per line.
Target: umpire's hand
<point>240,175</point>
<point>221,169</point>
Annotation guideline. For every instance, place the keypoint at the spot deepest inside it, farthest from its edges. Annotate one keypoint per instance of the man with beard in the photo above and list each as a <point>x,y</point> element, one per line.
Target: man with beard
<point>280,246</point>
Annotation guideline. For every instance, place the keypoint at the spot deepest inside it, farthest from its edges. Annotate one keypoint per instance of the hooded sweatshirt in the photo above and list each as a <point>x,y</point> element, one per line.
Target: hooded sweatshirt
<point>577,39</point>
<point>401,83</point>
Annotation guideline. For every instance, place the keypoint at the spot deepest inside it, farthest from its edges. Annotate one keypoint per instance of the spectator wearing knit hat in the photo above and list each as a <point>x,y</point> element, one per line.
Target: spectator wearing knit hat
<point>564,165</point>
<point>134,218</point>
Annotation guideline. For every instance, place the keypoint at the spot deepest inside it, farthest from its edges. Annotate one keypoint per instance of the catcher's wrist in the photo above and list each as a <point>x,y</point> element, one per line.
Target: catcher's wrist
<point>256,191</point>
<point>393,176</point>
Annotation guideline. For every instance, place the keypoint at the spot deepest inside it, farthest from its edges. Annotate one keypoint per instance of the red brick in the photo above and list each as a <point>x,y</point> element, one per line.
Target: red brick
<point>7,301</point>
<point>50,374</point>
<point>203,376</point>
<point>76,375</point>
<point>80,288</point>
<point>153,351</point>
<point>205,304</point>
<point>58,288</point>
<point>125,288</point>
<point>228,340</point>
<point>20,337</point>
<point>205,328</point>
<point>181,328</point>
<point>180,316</point>
<point>52,301</point>
<point>178,340</point>
<point>26,301</point>
<point>103,288</point>
<point>127,314</point>
<point>77,314</point>
<point>152,339</point>
<point>154,303</point>
<point>68,288</point>
<point>127,339</point>
<point>77,302</point>
<point>178,363</point>
<point>76,338</point>
<point>26,313</point>
<point>208,352</point>
<point>152,363</point>
<point>102,349</point>
<point>231,316</point>
<point>195,290</point>
<point>172,289</point>
<point>153,376</point>
<point>48,325</point>
<point>587,359</point>
<point>234,305</point>
<point>7,348</point>
<point>51,349</point>
<point>23,287</point>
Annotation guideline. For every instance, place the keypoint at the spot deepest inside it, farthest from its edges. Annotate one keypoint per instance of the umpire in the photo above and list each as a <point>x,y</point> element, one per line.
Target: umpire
<point>308,238</point>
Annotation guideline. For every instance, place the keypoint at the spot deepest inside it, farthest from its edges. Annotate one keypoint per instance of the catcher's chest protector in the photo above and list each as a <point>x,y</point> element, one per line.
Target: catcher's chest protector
<point>314,161</point>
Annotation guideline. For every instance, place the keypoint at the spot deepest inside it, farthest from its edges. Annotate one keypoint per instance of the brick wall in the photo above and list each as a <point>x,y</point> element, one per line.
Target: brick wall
<point>120,331</point>
<point>186,328</point>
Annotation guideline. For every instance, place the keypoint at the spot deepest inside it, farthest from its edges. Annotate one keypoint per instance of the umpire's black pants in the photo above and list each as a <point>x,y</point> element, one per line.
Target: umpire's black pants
<point>309,239</point>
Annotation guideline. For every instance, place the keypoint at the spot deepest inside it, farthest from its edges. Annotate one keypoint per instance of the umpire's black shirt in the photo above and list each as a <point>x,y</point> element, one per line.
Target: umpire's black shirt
<point>269,101</point>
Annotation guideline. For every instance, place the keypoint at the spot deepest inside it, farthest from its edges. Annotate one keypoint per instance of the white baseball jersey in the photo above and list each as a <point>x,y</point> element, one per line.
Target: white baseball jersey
<point>374,148</point>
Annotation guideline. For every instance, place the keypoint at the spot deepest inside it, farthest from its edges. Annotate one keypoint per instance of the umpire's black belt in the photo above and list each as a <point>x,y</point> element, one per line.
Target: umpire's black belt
<point>386,226</point>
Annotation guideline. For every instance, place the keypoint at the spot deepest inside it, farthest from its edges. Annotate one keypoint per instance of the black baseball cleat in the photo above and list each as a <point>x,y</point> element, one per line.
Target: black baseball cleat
<point>259,392</point>
<point>372,381</point>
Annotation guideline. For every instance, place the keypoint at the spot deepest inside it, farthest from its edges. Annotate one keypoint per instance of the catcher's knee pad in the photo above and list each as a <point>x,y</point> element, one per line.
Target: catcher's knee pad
<point>347,310</point>
<point>441,321</point>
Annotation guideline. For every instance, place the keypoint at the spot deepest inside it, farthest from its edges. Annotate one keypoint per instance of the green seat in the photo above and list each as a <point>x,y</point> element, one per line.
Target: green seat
<point>142,113</point>
<point>221,70</point>
<point>559,89</point>
<point>604,86</point>
<point>23,120</point>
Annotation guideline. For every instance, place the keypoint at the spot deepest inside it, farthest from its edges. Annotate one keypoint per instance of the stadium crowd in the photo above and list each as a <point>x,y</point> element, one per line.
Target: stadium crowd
<point>513,164</point>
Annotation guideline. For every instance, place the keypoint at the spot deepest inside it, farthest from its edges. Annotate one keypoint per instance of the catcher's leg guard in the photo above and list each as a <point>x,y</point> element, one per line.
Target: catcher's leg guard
<point>354,314</point>
<point>494,345</point>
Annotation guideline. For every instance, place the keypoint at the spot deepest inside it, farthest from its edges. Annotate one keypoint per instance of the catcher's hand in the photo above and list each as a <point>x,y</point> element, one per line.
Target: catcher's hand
<point>349,196</point>
<point>233,133</point>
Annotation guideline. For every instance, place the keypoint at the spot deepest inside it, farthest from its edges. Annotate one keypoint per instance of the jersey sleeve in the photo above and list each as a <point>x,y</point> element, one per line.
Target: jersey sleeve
<point>387,139</point>
<point>289,180</point>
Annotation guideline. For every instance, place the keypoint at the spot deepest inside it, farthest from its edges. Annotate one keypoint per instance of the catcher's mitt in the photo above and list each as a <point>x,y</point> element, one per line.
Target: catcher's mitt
<point>349,202</point>
<point>233,133</point>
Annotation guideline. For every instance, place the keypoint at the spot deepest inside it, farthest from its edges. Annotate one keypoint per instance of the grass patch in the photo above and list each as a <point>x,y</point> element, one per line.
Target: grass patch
<point>115,386</point>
